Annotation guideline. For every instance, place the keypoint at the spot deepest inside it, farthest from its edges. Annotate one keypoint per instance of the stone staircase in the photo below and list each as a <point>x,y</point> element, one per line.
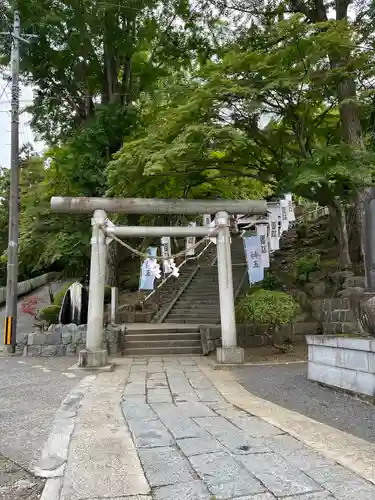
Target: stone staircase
<point>199,303</point>
<point>155,339</point>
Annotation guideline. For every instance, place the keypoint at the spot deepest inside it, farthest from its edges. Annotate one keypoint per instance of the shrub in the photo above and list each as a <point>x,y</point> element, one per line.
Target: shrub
<point>59,296</point>
<point>50,314</point>
<point>269,308</point>
<point>306,265</point>
<point>271,282</point>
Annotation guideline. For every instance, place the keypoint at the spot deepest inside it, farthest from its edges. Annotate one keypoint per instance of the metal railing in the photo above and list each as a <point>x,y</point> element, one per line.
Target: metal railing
<point>165,280</point>
<point>312,214</point>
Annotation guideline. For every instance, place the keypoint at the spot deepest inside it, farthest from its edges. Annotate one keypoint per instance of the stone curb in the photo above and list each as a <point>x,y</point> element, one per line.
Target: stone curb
<point>221,366</point>
<point>55,452</point>
<point>351,452</point>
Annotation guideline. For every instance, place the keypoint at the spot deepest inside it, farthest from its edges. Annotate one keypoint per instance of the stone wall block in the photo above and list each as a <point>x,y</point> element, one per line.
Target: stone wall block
<point>36,338</point>
<point>48,350</point>
<point>34,350</point>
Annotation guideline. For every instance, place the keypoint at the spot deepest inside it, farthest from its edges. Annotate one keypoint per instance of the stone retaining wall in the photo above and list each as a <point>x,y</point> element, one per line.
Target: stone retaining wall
<point>66,340</point>
<point>24,287</point>
<point>344,362</point>
<point>253,335</point>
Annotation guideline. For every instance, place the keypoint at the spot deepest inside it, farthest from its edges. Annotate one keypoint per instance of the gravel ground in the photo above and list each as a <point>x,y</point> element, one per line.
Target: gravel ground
<point>287,386</point>
<point>32,389</point>
<point>16,483</point>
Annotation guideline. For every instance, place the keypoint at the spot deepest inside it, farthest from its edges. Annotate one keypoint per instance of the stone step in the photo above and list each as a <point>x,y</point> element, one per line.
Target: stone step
<point>150,351</point>
<point>200,295</point>
<point>197,308</point>
<point>162,337</point>
<point>193,321</point>
<point>162,344</point>
<point>206,312</point>
<point>157,329</point>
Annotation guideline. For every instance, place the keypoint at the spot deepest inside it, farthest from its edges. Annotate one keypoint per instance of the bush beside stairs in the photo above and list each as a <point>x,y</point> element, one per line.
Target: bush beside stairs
<point>198,304</point>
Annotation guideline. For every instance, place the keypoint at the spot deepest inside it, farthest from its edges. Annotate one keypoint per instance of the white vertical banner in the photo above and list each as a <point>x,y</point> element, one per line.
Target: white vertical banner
<point>254,259</point>
<point>147,278</point>
<point>206,219</point>
<point>289,199</point>
<point>190,242</point>
<point>262,231</point>
<point>284,205</point>
<point>166,251</point>
<point>274,231</point>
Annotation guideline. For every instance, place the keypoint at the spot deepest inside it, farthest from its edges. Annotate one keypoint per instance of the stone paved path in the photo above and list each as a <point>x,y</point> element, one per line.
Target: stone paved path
<point>194,445</point>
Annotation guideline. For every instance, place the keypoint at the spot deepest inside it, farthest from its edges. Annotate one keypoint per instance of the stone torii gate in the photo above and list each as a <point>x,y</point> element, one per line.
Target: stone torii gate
<point>103,229</point>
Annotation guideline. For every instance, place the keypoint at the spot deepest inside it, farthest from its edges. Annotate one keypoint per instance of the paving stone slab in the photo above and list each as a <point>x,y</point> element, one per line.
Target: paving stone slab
<point>192,409</point>
<point>138,368</point>
<point>230,412</point>
<point>238,442</point>
<point>182,427</point>
<point>149,434</point>
<point>225,477</point>
<point>201,383</point>
<point>209,395</point>
<point>332,473</point>
<point>157,384</point>
<point>278,476</point>
<point>159,396</point>
<point>351,490</point>
<point>233,489</point>
<point>325,495</point>
<point>133,388</point>
<point>135,410</point>
<point>215,422</point>
<point>193,490</point>
<point>255,426</point>
<point>165,466</point>
<point>260,496</point>
<point>187,362</point>
<point>199,446</point>
<point>296,453</point>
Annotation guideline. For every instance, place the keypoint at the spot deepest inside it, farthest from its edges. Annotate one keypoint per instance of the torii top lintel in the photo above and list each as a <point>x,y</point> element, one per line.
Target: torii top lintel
<point>82,205</point>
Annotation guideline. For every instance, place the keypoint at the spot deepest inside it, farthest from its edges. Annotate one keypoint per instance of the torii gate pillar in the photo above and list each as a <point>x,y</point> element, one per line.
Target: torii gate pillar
<point>95,355</point>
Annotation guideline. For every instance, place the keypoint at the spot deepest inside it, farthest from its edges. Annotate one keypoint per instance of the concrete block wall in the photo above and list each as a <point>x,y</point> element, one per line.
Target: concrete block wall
<point>343,362</point>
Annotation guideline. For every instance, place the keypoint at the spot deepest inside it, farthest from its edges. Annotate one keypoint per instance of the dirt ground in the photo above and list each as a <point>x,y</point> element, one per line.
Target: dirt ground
<point>269,354</point>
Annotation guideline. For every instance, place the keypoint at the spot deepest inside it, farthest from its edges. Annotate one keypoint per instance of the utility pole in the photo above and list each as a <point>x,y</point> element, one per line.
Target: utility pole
<point>10,325</point>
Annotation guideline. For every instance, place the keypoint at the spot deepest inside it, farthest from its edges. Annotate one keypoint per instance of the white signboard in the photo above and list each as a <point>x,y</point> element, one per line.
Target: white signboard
<point>289,199</point>
<point>274,229</point>
<point>284,205</point>
<point>254,259</point>
<point>262,233</point>
<point>190,242</point>
<point>147,278</point>
<point>166,251</point>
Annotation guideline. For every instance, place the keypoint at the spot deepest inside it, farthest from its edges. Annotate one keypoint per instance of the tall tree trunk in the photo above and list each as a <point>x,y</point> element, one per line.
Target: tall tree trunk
<point>111,274</point>
<point>342,231</point>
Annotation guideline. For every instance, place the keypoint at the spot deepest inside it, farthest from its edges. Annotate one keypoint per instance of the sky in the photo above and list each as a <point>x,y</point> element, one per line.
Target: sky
<point>25,132</point>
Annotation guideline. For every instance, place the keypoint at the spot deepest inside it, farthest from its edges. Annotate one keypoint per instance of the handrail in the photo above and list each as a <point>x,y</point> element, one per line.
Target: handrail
<point>167,310</point>
<point>312,213</point>
<point>196,257</point>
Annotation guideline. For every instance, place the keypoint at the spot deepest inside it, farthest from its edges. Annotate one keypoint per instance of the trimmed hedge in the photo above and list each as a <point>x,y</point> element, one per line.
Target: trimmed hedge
<point>50,314</point>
